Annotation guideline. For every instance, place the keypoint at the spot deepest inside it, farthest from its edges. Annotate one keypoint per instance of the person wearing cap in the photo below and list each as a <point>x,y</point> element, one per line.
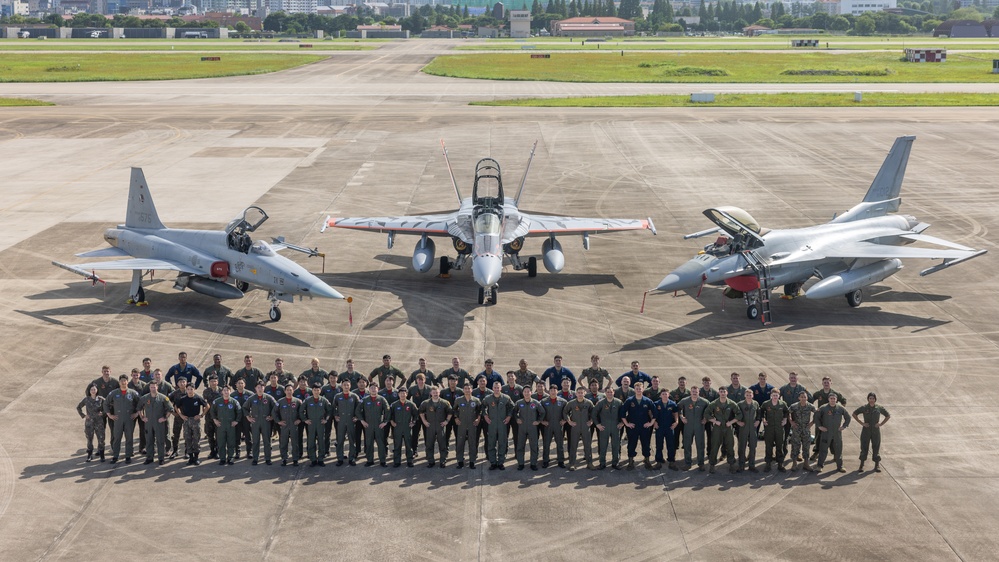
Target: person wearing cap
<point>315,412</point>
<point>287,416</point>
<point>226,414</point>
<point>870,436</point>
<point>258,411</point>
<point>403,416</point>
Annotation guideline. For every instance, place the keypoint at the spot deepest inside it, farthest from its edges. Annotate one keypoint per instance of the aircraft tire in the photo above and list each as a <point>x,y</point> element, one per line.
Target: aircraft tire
<point>482,295</point>
<point>854,298</point>
<point>140,296</point>
<point>532,267</point>
<point>445,266</point>
<point>753,312</point>
<point>243,286</point>
<point>275,314</point>
<point>493,296</point>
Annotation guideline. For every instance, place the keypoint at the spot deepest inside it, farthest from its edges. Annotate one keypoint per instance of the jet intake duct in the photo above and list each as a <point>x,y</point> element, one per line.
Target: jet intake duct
<point>554,259</point>
<point>213,288</point>
<point>423,255</point>
<point>848,281</point>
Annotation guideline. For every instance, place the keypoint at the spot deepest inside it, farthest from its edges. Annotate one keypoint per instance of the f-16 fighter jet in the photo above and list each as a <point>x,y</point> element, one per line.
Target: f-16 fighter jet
<point>861,247</point>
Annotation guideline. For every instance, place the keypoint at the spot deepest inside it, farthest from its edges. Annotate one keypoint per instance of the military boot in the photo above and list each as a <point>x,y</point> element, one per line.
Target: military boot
<point>808,467</point>
<point>197,461</point>
<point>631,464</point>
<point>877,466</point>
<point>794,465</point>
<point>752,467</point>
<point>648,463</point>
<point>589,465</point>
<point>711,468</point>
<point>90,456</point>
<point>100,453</point>
<point>766,468</point>
<point>861,469</point>
<point>672,466</point>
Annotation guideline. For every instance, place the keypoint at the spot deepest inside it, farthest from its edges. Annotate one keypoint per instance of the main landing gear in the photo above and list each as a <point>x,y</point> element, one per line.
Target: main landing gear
<point>137,295</point>
<point>531,266</point>
<point>854,298</point>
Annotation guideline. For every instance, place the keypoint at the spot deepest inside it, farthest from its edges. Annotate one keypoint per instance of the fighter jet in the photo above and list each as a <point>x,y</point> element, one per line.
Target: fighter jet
<point>220,264</point>
<point>861,247</point>
<point>487,227</point>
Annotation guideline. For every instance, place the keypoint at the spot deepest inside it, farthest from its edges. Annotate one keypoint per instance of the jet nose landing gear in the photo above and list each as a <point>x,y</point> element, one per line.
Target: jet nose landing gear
<point>493,292</point>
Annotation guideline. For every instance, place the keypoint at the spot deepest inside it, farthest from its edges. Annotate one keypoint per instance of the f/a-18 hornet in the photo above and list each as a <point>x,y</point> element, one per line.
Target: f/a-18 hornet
<point>487,227</point>
<point>220,264</point>
<point>861,247</point>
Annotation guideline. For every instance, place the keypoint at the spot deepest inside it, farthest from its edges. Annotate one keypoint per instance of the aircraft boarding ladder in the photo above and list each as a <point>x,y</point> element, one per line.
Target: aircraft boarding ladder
<point>762,272</point>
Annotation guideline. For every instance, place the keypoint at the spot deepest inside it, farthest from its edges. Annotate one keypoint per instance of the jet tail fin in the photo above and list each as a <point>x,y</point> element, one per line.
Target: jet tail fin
<point>883,196</point>
<point>141,213</point>
<point>888,183</point>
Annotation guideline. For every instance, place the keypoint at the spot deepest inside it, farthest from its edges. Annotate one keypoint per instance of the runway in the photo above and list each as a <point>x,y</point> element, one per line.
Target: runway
<point>359,135</point>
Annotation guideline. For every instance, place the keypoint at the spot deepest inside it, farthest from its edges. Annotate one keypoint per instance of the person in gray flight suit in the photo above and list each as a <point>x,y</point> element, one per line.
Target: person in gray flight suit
<point>226,415</point>
<point>435,415</point>
<point>497,409</point>
<point>530,414</point>
<point>286,414</point>
<point>373,413</point>
<point>403,417</point>
<point>467,414</point>
<point>154,408</point>
<point>122,407</point>
<point>692,409</point>
<point>257,410</point>
<point>315,412</point>
<point>607,418</point>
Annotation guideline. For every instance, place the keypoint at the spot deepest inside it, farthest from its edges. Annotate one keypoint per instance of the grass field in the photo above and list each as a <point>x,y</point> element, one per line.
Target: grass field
<point>870,99</point>
<point>764,43</point>
<point>18,102</point>
<point>94,67</point>
<point>203,45</point>
<point>726,67</point>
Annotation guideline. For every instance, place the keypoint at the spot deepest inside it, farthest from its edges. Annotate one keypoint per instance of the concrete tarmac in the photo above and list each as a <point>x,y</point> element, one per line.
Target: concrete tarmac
<point>926,345</point>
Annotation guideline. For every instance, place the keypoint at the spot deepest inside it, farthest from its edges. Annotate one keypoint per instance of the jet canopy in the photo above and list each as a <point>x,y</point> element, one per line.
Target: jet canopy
<point>238,229</point>
<point>487,191</point>
<point>745,231</point>
<point>487,223</point>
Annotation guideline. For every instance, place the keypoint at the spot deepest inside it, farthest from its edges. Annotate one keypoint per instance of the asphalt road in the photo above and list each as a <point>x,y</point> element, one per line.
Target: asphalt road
<point>359,136</point>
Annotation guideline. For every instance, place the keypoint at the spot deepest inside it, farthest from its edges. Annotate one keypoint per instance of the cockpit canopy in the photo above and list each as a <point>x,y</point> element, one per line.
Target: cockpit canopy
<point>723,217</point>
<point>262,248</point>
<point>487,223</point>
<point>237,230</point>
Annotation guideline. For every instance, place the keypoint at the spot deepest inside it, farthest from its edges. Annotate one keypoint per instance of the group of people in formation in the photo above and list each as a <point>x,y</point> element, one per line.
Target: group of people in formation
<point>345,416</point>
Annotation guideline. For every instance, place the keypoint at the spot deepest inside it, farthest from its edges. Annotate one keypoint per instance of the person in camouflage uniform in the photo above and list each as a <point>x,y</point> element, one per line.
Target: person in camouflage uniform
<point>94,420</point>
<point>871,434</point>
<point>595,373</point>
<point>802,420</point>
<point>722,414</point>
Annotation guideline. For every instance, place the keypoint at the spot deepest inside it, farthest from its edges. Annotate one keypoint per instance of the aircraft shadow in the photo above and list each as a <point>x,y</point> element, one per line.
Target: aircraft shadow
<point>421,294</point>
<point>168,311</point>
<point>712,322</point>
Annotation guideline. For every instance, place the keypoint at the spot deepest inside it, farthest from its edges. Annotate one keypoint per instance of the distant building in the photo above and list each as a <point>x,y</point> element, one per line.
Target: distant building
<point>857,7</point>
<point>593,27</point>
<point>754,30</point>
<point>488,32</point>
<point>520,24</point>
<point>499,11</point>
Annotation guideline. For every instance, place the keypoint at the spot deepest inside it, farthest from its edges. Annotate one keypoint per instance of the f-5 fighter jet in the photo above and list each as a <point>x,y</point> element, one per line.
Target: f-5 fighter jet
<point>861,247</point>
<point>487,227</point>
<point>220,264</point>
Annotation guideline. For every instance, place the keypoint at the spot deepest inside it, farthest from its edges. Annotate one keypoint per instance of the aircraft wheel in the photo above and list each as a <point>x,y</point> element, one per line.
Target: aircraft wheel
<point>140,296</point>
<point>445,265</point>
<point>493,295</point>
<point>275,313</point>
<point>753,312</point>
<point>854,298</point>
<point>482,295</point>
<point>243,286</point>
<point>532,267</point>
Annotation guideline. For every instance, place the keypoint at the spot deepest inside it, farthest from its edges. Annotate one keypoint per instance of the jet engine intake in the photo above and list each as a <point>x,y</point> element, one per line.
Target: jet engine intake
<point>554,259</point>
<point>423,255</point>
<point>515,246</point>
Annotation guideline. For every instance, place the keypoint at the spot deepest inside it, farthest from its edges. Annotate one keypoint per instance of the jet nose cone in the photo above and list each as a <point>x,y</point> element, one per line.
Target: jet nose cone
<point>686,276</point>
<point>320,289</point>
<point>487,270</point>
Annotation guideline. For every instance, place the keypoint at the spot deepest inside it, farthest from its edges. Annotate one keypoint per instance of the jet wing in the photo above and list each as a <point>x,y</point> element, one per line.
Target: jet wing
<point>111,252</point>
<point>543,225</point>
<point>134,263</point>
<point>432,225</point>
<point>870,250</point>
